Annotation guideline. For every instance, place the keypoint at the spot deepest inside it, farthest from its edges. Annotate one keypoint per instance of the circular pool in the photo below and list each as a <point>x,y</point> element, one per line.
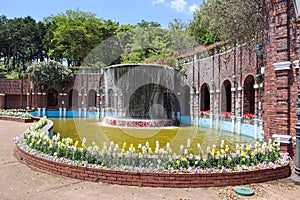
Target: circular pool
<point>95,131</point>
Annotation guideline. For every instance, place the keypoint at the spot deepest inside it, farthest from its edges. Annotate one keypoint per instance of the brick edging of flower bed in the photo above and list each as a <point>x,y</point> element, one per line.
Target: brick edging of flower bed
<point>17,119</point>
<point>171,180</point>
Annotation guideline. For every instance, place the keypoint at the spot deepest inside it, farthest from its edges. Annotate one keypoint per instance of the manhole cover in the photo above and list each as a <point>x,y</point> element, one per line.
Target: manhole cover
<point>244,191</point>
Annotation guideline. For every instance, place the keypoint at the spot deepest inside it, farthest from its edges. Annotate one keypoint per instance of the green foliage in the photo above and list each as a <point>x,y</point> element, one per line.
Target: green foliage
<point>155,45</point>
<point>49,74</point>
<point>15,113</point>
<point>21,41</point>
<point>74,34</point>
<point>233,21</point>
<point>201,28</point>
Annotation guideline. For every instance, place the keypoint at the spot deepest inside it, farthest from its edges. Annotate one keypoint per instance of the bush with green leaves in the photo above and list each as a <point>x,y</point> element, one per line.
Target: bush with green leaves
<point>50,74</point>
<point>15,113</point>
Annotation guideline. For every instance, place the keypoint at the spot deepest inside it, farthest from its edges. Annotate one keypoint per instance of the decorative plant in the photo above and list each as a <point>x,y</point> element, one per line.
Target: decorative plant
<point>249,116</point>
<point>15,113</point>
<point>205,113</point>
<point>226,115</point>
<point>49,74</point>
<point>145,159</point>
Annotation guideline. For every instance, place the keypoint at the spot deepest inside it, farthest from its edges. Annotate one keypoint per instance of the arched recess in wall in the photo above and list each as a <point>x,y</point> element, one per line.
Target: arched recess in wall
<point>73,98</point>
<point>52,98</point>
<point>110,98</point>
<point>226,96</point>
<point>185,101</point>
<point>249,95</point>
<point>92,95</point>
<point>205,98</point>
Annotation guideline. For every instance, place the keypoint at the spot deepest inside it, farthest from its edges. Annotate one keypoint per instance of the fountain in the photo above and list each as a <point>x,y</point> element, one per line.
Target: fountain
<point>142,95</point>
<point>155,98</point>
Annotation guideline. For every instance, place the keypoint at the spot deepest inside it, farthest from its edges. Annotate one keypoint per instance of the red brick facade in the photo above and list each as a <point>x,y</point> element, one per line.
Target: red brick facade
<point>211,78</point>
<point>152,179</point>
<point>280,50</point>
<point>37,97</point>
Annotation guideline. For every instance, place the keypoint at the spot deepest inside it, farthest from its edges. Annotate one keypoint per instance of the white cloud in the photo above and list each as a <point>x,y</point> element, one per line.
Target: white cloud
<point>154,2</point>
<point>178,5</point>
<point>193,8</point>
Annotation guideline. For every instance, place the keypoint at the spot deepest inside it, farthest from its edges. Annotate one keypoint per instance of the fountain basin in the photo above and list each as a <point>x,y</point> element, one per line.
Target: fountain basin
<point>130,122</point>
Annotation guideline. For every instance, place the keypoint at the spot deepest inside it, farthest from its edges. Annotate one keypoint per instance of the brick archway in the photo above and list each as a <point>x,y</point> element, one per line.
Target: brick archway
<point>52,99</point>
<point>73,98</point>
<point>92,98</point>
<point>249,95</point>
<point>226,96</point>
<point>205,98</point>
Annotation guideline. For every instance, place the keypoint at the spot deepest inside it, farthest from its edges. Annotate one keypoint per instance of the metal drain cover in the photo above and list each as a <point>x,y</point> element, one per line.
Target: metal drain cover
<point>243,190</point>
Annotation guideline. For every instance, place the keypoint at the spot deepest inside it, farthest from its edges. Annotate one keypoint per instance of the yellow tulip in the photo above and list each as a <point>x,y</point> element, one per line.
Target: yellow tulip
<point>247,148</point>
<point>213,152</point>
<point>226,148</point>
<point>243,154</point>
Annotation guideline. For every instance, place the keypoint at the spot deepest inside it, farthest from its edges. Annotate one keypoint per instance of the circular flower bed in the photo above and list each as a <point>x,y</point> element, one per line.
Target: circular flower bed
<point>16,115</point>
<point>257,163</point>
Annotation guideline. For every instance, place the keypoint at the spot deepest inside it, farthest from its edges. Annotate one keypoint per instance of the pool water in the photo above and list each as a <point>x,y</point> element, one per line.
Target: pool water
<point>94,131</point>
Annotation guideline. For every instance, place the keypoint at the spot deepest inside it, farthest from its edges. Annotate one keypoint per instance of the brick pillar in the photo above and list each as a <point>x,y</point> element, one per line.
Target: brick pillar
<point>39,99</point>
<point>98,100</point>
<point>217,108</point>
<point>44,100</point>
<point>282,71</point>
<point>233,100</point>
<point>277,54</point>
<point>212,106</point>
<point>29,103</point>
<point>2,101</point>
<point>239,108</point>
<point>33,99</point>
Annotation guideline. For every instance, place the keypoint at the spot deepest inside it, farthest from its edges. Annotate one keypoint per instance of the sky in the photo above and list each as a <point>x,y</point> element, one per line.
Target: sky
<point>122,11</point>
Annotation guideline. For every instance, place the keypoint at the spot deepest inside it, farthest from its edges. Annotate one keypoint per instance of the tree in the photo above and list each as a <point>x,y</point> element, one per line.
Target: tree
<point>50,74</point>
<point>178,26</point>
<point>145,24</point>
<point>231,21</point>
<point>21,41</point>
<point>74,34</point>
<point>201,28</point>
<point>155,45</point>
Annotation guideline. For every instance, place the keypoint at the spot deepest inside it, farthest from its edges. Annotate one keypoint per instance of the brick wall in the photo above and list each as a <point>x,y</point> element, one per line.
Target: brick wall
<point>280,45</point>
<point>220,67</point>
<point>155,179</point>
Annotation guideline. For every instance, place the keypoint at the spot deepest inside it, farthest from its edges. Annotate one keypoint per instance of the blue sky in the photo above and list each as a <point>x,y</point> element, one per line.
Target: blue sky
<point>123,11</point>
